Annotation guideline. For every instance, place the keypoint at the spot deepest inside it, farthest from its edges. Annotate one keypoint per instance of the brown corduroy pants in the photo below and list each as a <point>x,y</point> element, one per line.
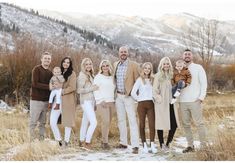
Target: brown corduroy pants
<point>146,108</point>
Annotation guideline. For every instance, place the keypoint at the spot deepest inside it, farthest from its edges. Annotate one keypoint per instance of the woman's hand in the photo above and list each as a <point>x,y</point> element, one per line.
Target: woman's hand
<point>95,87</point>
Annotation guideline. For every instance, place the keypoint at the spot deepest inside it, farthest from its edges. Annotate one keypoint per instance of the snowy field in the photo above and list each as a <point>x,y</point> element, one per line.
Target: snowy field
<point>123,154</point>
<point>77,153</point>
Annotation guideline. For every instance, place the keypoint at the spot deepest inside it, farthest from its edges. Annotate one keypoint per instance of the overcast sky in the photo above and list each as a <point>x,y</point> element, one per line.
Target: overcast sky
<point>216,9</point>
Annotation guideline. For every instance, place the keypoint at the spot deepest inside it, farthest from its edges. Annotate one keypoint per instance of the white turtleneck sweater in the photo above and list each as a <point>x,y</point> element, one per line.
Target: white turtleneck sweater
<point>106,88</point>
<point>197,89</point>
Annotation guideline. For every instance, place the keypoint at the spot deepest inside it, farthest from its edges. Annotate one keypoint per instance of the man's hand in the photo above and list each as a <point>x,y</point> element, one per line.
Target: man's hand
<point>199,100</point>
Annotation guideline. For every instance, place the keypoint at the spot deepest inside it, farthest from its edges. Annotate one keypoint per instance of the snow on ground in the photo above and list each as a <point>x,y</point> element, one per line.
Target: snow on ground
<point>73,153</point>
<point>123,154</point>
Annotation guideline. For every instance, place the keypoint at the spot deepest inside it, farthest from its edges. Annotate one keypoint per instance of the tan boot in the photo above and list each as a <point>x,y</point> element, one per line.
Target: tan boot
<point>88,146</point>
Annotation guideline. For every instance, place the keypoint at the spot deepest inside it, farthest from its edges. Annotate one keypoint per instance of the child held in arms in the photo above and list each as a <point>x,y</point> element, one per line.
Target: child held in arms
<point>58,80</point>
<point>181,79</point>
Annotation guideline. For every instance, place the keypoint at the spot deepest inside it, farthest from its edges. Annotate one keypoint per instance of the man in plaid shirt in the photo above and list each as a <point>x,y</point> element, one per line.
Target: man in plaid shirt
<point>126,73</point>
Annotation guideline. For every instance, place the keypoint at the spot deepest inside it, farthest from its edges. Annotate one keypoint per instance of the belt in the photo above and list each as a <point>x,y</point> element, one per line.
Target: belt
<point>122,93</point>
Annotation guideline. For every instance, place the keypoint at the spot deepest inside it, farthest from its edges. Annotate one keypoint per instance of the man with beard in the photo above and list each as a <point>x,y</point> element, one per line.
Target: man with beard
<point>126,73</point>
<point>191,100</point>
<point>39,95</point>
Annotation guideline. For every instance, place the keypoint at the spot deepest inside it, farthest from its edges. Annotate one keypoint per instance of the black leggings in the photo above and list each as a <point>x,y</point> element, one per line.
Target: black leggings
<point>171,132</point>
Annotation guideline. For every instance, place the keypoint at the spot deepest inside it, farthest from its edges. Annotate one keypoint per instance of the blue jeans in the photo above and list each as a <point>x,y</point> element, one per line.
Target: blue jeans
<point>179,85</point>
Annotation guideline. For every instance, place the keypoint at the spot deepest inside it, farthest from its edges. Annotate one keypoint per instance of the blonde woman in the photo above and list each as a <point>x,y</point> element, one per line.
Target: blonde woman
<point>142,92</point>
<point>85,89</point>
<point>164,111</point>
<point>104,97</point>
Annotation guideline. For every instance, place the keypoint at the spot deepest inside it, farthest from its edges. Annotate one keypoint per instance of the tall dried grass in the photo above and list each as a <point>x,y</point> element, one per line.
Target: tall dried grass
<point>14,134</point>
<point>220,120</point>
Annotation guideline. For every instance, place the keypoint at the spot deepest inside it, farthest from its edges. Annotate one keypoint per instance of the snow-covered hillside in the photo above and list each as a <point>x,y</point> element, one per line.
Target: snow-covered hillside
<point>40,28</point>
<point>162,35</point>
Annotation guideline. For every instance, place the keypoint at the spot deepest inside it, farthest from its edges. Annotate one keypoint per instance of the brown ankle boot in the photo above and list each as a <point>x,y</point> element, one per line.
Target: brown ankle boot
<point>88,146</point>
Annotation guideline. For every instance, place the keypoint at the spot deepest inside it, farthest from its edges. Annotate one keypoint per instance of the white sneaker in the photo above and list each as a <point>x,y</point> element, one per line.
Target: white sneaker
<point>145,149</point>
<point>177,94</point>
<point>165,148</point>
<point>173,100</point>
<point>153,148</point>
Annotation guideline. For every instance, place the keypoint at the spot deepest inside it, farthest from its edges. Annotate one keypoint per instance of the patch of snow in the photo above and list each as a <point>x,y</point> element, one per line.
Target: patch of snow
<point>4,106</point>
<point>181,141</point>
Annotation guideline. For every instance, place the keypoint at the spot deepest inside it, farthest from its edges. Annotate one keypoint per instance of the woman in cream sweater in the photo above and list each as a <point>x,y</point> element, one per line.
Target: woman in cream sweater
<point>104,98</point>
<point>86,88</point>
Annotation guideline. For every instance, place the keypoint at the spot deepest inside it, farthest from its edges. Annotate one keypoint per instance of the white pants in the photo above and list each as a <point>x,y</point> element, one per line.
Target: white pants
<point>125,105</point>
<point>57,94</point>
<point>54,127</point>
<point>88,117</point>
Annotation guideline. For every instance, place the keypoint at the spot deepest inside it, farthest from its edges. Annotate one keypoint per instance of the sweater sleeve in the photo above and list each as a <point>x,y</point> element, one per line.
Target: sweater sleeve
<point>81,83</point>
<point>156,88</point>
<point>97,93</point>
<point>135,89</point>
<point>71,85</point>
<point>35,80</point>
<point>189,77</point>
<point>203,83</point>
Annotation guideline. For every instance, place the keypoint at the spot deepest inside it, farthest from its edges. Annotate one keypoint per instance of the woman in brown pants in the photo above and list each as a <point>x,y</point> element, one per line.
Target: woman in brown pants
<point>142,92</point>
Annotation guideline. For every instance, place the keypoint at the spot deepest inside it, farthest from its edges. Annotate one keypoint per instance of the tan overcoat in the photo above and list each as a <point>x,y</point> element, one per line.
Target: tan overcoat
<point>162,97</point>
<point>69,101</point>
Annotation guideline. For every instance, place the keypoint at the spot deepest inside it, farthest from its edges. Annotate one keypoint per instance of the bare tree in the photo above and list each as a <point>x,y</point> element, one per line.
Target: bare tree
<point>203,38</point>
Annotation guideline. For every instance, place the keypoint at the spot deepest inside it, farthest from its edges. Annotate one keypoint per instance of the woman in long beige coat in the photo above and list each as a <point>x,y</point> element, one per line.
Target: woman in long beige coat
<point>68,104</point>
<point>165,114</point>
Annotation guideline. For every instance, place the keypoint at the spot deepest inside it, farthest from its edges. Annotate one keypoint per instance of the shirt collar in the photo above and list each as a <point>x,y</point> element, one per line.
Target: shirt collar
<point>124,63</point>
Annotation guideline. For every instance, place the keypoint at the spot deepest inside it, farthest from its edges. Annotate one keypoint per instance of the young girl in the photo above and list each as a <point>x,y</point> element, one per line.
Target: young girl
<point>143,86</point>
<point>164,112</point>
<point>85,89</point>
<point>104,97</point>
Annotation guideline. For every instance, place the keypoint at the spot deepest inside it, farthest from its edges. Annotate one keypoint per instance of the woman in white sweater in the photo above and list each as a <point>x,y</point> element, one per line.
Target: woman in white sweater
<point>86,88</point>
<point>104,98</point>
<point>142,92</point>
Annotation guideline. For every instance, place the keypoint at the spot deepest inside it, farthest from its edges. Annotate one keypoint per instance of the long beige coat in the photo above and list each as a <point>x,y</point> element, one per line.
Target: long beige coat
<point>69,101</point>
<point>162,97</point>
<point>132,74</point>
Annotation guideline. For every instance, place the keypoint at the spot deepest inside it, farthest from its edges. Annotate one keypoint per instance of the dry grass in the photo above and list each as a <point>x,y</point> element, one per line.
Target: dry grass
<point>14,134</point>
<point>220,120</point>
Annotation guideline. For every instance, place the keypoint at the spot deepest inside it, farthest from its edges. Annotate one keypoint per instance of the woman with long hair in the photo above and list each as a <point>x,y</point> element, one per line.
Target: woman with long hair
<point>142,92</point>
<point>68,103</point>
<point>165,115</point>
<point>86,88</point>
<point>104,97</point>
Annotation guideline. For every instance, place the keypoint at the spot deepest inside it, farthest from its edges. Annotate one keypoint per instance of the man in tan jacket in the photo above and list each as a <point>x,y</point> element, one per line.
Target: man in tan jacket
<point>126,73</point>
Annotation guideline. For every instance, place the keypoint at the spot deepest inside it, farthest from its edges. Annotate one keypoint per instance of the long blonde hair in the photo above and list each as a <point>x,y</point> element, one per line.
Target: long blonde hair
<point>108,63</point>
<point>150,76</point>
<point>83,69</point>
<point>161,73</point>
